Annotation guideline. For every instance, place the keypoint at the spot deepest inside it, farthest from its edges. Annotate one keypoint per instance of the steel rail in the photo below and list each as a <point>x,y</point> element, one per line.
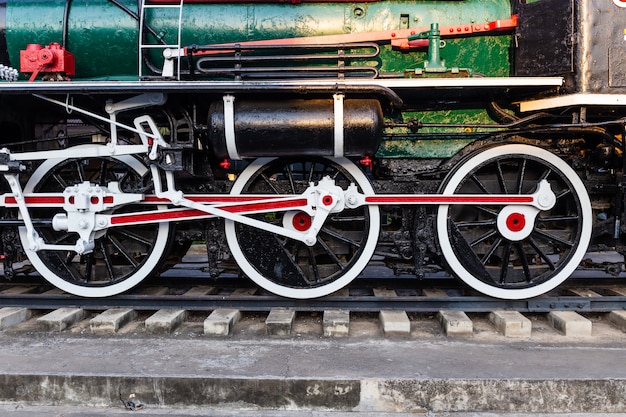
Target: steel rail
<point>355,303</point>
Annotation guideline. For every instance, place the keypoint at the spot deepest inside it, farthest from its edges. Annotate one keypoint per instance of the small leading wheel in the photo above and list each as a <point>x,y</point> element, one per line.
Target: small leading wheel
<point>122,257</point>
<point>492,248</point>
<point>288,267</point>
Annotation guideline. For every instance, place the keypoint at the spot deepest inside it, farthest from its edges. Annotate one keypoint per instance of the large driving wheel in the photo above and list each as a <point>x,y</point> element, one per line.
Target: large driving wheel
<point>288,267</point>
<point>122,256</point>
<point>521,256</point>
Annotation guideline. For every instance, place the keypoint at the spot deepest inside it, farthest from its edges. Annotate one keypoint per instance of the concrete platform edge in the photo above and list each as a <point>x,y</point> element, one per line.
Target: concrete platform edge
<point>366,395</point>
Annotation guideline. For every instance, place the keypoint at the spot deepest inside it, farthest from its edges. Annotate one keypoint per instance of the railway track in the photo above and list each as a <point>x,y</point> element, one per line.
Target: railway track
<point>187,287</point>
<point>369,312</point>
<point>611,298</point>
<point>184,297</point>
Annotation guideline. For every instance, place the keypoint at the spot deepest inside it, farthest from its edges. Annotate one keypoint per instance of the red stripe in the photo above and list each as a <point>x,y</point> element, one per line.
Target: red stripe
<point>157,217</point>
<point>190,213</point>
<point>39,200</point>
<point>261,206</point>
<point>150,199</point>
<point>399,199</point>
<point>272,205</point>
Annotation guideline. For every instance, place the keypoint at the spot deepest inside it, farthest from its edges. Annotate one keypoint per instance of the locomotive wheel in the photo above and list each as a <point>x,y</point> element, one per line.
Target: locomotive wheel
<point>290,268</point>
<point>529,264</point>
<point>122,257</point>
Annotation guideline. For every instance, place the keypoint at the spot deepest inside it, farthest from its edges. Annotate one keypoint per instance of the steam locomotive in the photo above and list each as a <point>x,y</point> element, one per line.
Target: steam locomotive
<point>299,139</point>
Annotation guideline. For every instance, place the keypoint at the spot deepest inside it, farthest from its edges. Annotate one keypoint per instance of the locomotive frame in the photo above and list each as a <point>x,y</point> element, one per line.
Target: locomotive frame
<point>512,212</point>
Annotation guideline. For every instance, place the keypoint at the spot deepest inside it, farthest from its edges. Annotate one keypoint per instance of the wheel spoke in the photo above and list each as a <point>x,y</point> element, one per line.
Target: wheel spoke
<point>63,238</point>
<point>479,184</point>
<point>541,253</point>
<point>313,263</point>
<point>520,176</point>
<point>551,237</point>
<point>89,261</point>
<point>330,253</point>
<point>102,173</point>
<point>270,184</point>
<point>59,180</point>
<point>562,218</point>
<point>293,252</point>
<point>292,182</point>
<point>563,194</point>
<point>485,236</point>
<point>107,260</point>
<point>491,251</point>
<point>74,273</point>
<point>504,268</point>
<point>134,236</point>
<point>489,211</point>
<point>476,223</point>
<point>347,219</point>
<point>545,175</point>
<point>501,180</point>
<point>340,237</point>
<point>122,250</point>
<point>522,257</point>
<point>80,171</point>
<point>291,256</point>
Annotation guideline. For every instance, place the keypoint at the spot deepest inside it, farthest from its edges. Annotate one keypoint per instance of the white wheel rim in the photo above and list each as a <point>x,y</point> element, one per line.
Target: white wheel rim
<point>144,270</point>
<point>304,293</point>
<point>576,256</point>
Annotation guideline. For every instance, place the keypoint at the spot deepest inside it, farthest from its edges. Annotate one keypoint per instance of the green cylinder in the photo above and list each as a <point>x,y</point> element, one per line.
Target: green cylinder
<point>104,38</point>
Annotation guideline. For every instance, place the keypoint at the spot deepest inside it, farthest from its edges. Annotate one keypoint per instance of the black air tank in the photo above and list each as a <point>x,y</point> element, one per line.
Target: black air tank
<point>294,127</point>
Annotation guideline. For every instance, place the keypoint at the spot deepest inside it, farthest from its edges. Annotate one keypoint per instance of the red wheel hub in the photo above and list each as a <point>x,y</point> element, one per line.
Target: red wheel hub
<point>515,222</point>
<point>301,222</point>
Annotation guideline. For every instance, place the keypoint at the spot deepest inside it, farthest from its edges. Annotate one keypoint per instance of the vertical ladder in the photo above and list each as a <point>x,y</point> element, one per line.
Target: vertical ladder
<point>144,47</point>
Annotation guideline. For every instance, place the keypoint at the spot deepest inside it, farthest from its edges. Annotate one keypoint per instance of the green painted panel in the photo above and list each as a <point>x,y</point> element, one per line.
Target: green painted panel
<point>104,38</point>
<point>429,143</point>
<point>421,148</point>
